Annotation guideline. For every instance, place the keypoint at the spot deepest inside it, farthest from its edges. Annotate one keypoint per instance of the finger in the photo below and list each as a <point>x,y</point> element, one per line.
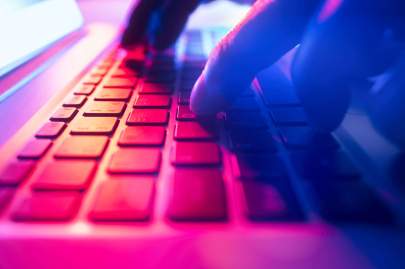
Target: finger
<point>341,45</point>
<point>172,22</point>
<point>386,106</point>
<point>139,22</point>
<point>269,30</point>
<point>387,98</point>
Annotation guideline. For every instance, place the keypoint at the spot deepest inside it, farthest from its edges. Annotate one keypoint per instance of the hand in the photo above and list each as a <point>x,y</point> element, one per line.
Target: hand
<point>165,19</point>
<point>160,22</point>
<point>340,41</point>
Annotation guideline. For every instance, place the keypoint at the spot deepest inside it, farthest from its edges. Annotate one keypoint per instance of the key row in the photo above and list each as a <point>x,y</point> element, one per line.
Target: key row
<point>268,194</point>
<point>93,147</point>
<point>84,151</point>
<point>196,195</point>
<point>131,199</point>
<point>150,96</point>
<point>100,124</point>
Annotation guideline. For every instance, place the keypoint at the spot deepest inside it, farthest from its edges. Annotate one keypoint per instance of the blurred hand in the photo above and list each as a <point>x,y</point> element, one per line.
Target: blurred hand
<point>160,22</point>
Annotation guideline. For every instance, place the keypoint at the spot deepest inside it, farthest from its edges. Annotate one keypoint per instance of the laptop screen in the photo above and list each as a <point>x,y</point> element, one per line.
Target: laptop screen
<point>29,26</point>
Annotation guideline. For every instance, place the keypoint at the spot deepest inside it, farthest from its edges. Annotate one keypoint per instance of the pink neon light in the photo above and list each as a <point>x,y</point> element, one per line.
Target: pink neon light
<point>329,8</point>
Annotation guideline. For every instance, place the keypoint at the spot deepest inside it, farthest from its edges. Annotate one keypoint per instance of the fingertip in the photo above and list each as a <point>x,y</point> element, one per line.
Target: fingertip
<point>206,99</point>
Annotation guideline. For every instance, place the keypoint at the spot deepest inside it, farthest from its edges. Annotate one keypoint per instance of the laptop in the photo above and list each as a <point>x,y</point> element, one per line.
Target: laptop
<point>103,165</point>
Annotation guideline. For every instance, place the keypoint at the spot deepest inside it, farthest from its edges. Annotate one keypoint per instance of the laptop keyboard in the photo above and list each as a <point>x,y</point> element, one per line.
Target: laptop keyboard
<point>129,105</point>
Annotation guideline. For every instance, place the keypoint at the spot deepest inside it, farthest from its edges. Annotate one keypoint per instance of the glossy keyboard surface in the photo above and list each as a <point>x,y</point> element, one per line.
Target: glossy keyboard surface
<point>127,126</point>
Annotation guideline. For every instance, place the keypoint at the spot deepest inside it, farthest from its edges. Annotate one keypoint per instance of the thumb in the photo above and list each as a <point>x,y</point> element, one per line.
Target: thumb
<point>270,29</point>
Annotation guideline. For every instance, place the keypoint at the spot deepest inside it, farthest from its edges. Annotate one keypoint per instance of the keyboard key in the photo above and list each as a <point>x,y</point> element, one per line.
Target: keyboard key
<point>191,72</point>
<point>188,78</point>
<point>122,72</point>
<point>162,59</point>
<point>186,85</point>
<point>195,153</point>
<point>270,200</point>
<point>259,165</point>
<point>193,131</point>
<point>15,172</point>
<point>245,104</point>
<point>245,120</point>
<point>136,65</point>
<point>280,90</point>
<point>131,161</point>
<point>124,200</point>
<point>160,77</point>
<point>325,165</point>
<point>64,114</point>
<point>152,101</point>
<point>162,66</point>
<point>87,147</point>
<point>142,136</point>
<point>105,109</point>
<point>99,71</point>
<point>107,62</point>
<point>161,74</point>
<point>51,130</point>
<point>113,95</point>
<point>92,80</point>
<point>120,83</point>
<point>161,71</point>
<point>84,90</point>
<point>148,117</point>
<point>184,98</point>
<point>350,201</point>
<point>65,175</point>
<point>103,66</point>
<point>35,149</point>
<point>280,99</point>
<point>197,195</point>
<point>195,52</point>
<point>46,206</point>
<point>289,116</point>
<point>155,88</point>
<point>75,101</point>
<point>185,114</point>
<point>307,138</point>
<point>6,194</point>
<point>252,142</point>
<point>94,126</point>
